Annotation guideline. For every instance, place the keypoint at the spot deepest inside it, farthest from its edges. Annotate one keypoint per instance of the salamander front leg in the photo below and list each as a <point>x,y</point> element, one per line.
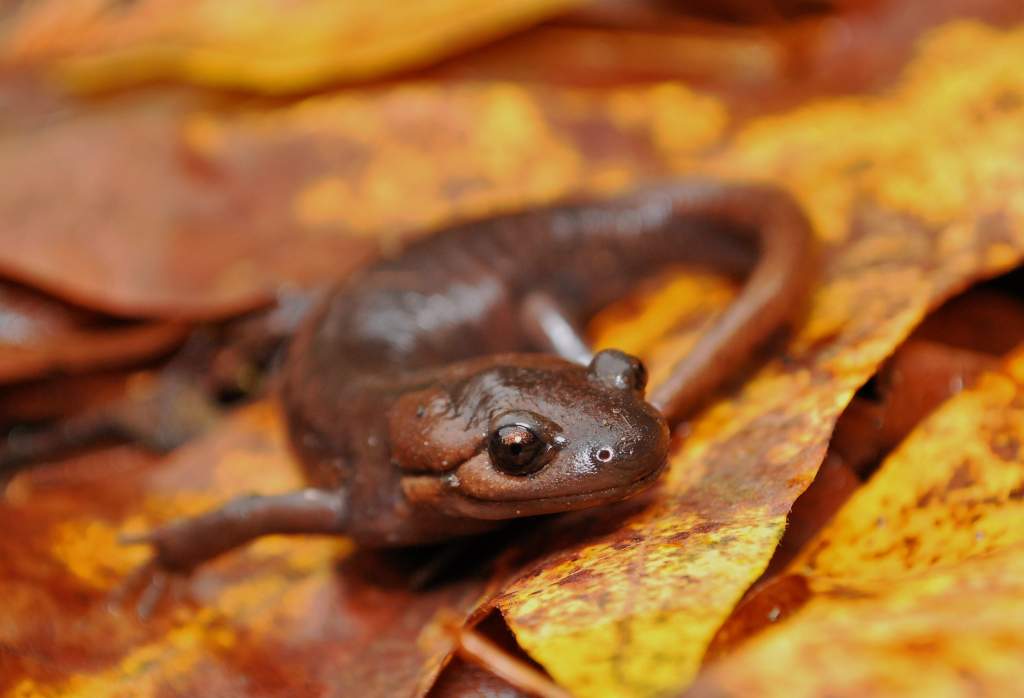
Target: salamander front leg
<point>551,328</point>
<point>181,546</point>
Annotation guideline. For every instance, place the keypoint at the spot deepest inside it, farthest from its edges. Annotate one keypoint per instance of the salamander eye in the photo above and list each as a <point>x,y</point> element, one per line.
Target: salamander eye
<point>517,449</point>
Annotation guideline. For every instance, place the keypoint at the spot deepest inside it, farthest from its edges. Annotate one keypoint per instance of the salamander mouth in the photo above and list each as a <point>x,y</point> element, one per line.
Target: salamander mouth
<point>565,502</point>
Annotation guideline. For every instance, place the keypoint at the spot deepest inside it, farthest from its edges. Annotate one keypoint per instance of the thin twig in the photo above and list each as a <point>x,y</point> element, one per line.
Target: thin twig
<point>474,647</point>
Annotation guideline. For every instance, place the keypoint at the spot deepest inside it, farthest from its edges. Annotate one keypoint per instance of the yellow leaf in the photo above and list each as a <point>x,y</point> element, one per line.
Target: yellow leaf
<point>918,580</point>
<point>256,44</point>
<point>914,192</point>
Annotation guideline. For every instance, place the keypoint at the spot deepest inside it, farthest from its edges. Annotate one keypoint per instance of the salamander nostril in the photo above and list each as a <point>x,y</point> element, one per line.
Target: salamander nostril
<point>605,454</point>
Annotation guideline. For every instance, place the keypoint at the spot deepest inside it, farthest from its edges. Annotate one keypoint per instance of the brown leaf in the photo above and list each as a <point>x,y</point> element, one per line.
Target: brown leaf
<point>858,46</point>
<point>136,232</point>
<point>59,396</point>
<point>278,615</point>
<point>40,336</point>
<point>907,216</point>
<point>201,213</point>
<point>264,46</point>
<point>916,581</point>
<point>914,192</point>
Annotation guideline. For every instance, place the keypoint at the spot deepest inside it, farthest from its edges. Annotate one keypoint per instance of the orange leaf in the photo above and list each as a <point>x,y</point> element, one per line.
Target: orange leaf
<point>918,579</point>
<point>260,45</point>
<point>908,215</point>
<point>200,213</point>
<point>909,208</point>
<point>282,609</point>
<point>40,336</point>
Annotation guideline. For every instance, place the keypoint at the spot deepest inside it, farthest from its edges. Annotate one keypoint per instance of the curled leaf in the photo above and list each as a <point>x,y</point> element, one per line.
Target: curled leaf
<point>916,582</point>
<point>906,216</point>
<point>40,336</point>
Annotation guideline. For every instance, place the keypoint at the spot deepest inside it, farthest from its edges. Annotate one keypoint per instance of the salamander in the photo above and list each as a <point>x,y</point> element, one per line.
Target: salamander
<point>448,388</point>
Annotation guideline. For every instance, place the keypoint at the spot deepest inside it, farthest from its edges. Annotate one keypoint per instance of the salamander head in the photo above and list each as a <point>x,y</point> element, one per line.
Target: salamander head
<point>521,435</point>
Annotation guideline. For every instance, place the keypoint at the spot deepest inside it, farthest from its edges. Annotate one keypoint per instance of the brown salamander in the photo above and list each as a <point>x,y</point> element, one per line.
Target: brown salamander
<point>420,408</point>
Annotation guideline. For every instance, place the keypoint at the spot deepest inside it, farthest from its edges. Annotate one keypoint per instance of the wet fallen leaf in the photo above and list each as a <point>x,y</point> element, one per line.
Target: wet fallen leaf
<point>907,215</point>
<point>290,615</point>
<point>165,236</point>
<point>953,633</point>
<point>950,492</point>
<point>79,351</point>
<point>967,337</point>
<point>40,336</point>
<point>586,55</point>
<point>302,194</point>
<point>59,396</point>
<point>916,583</point>
<point>264,46</point>
<point>282,598</point>
<point>622,601</point>
<point>224,206</point>
<point>857,46</point>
